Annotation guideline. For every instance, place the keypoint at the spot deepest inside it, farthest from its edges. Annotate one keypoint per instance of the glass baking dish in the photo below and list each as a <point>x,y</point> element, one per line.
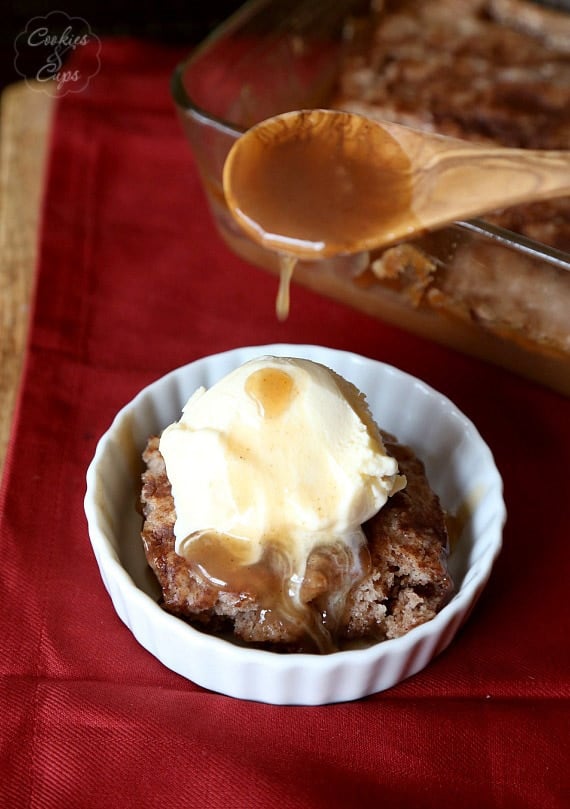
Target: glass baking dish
<point>473,286</point>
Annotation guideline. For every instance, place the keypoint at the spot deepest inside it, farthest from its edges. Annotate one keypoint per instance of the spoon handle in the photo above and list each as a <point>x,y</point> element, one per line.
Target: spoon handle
<point>470,179</point>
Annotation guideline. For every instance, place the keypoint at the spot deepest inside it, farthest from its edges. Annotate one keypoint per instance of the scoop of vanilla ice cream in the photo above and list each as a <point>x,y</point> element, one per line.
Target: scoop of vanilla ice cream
<point>281,451</point>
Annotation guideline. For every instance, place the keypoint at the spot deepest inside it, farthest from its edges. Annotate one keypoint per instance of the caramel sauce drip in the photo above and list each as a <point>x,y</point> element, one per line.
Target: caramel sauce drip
<point>312,612</point>
<point>286,268</point>
<point>222,561</point>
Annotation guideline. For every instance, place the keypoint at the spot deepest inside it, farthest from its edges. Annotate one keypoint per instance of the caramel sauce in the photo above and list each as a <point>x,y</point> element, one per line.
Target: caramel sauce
<point>286,268</point>
<point>222,560</point>
<point>272,389</point>
<point>318,185</point>
<point>311,608</point>
<point>456,522</point>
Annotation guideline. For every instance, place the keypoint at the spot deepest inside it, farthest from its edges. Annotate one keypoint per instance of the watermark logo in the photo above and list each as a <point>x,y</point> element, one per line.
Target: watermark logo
<point>43,50</point>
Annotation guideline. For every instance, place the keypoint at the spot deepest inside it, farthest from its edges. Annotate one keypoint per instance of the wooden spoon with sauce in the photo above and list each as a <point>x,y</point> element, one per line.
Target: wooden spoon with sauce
<point>317,183</point>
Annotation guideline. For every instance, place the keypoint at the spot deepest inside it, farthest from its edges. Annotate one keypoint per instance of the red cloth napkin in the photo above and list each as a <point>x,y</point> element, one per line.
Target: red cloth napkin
<point>132,282</point>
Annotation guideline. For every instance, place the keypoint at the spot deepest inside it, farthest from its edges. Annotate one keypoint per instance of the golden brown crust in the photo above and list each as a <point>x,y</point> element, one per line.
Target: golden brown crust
<point>408,546</point>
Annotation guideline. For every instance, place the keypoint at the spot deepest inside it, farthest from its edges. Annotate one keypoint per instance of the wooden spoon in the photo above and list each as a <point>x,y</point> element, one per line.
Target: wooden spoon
<point>317,183</point>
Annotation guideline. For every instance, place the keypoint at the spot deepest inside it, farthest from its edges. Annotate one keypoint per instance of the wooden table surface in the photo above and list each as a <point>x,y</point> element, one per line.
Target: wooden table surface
<point>25,115</point>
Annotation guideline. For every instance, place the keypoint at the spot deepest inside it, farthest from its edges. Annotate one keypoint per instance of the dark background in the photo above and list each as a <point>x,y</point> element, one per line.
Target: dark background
<point>172,22</point>
<point>175,22</point>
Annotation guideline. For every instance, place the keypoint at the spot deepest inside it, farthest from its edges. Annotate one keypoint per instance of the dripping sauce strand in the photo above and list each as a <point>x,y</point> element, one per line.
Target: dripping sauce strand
<point>287,264</point>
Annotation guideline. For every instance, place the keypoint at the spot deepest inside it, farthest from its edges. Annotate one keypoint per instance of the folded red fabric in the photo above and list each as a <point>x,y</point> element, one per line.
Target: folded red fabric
<point>132,282</point>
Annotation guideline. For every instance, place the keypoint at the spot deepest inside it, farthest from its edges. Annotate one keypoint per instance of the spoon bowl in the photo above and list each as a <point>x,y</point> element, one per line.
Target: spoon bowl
<point>318,183</point>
